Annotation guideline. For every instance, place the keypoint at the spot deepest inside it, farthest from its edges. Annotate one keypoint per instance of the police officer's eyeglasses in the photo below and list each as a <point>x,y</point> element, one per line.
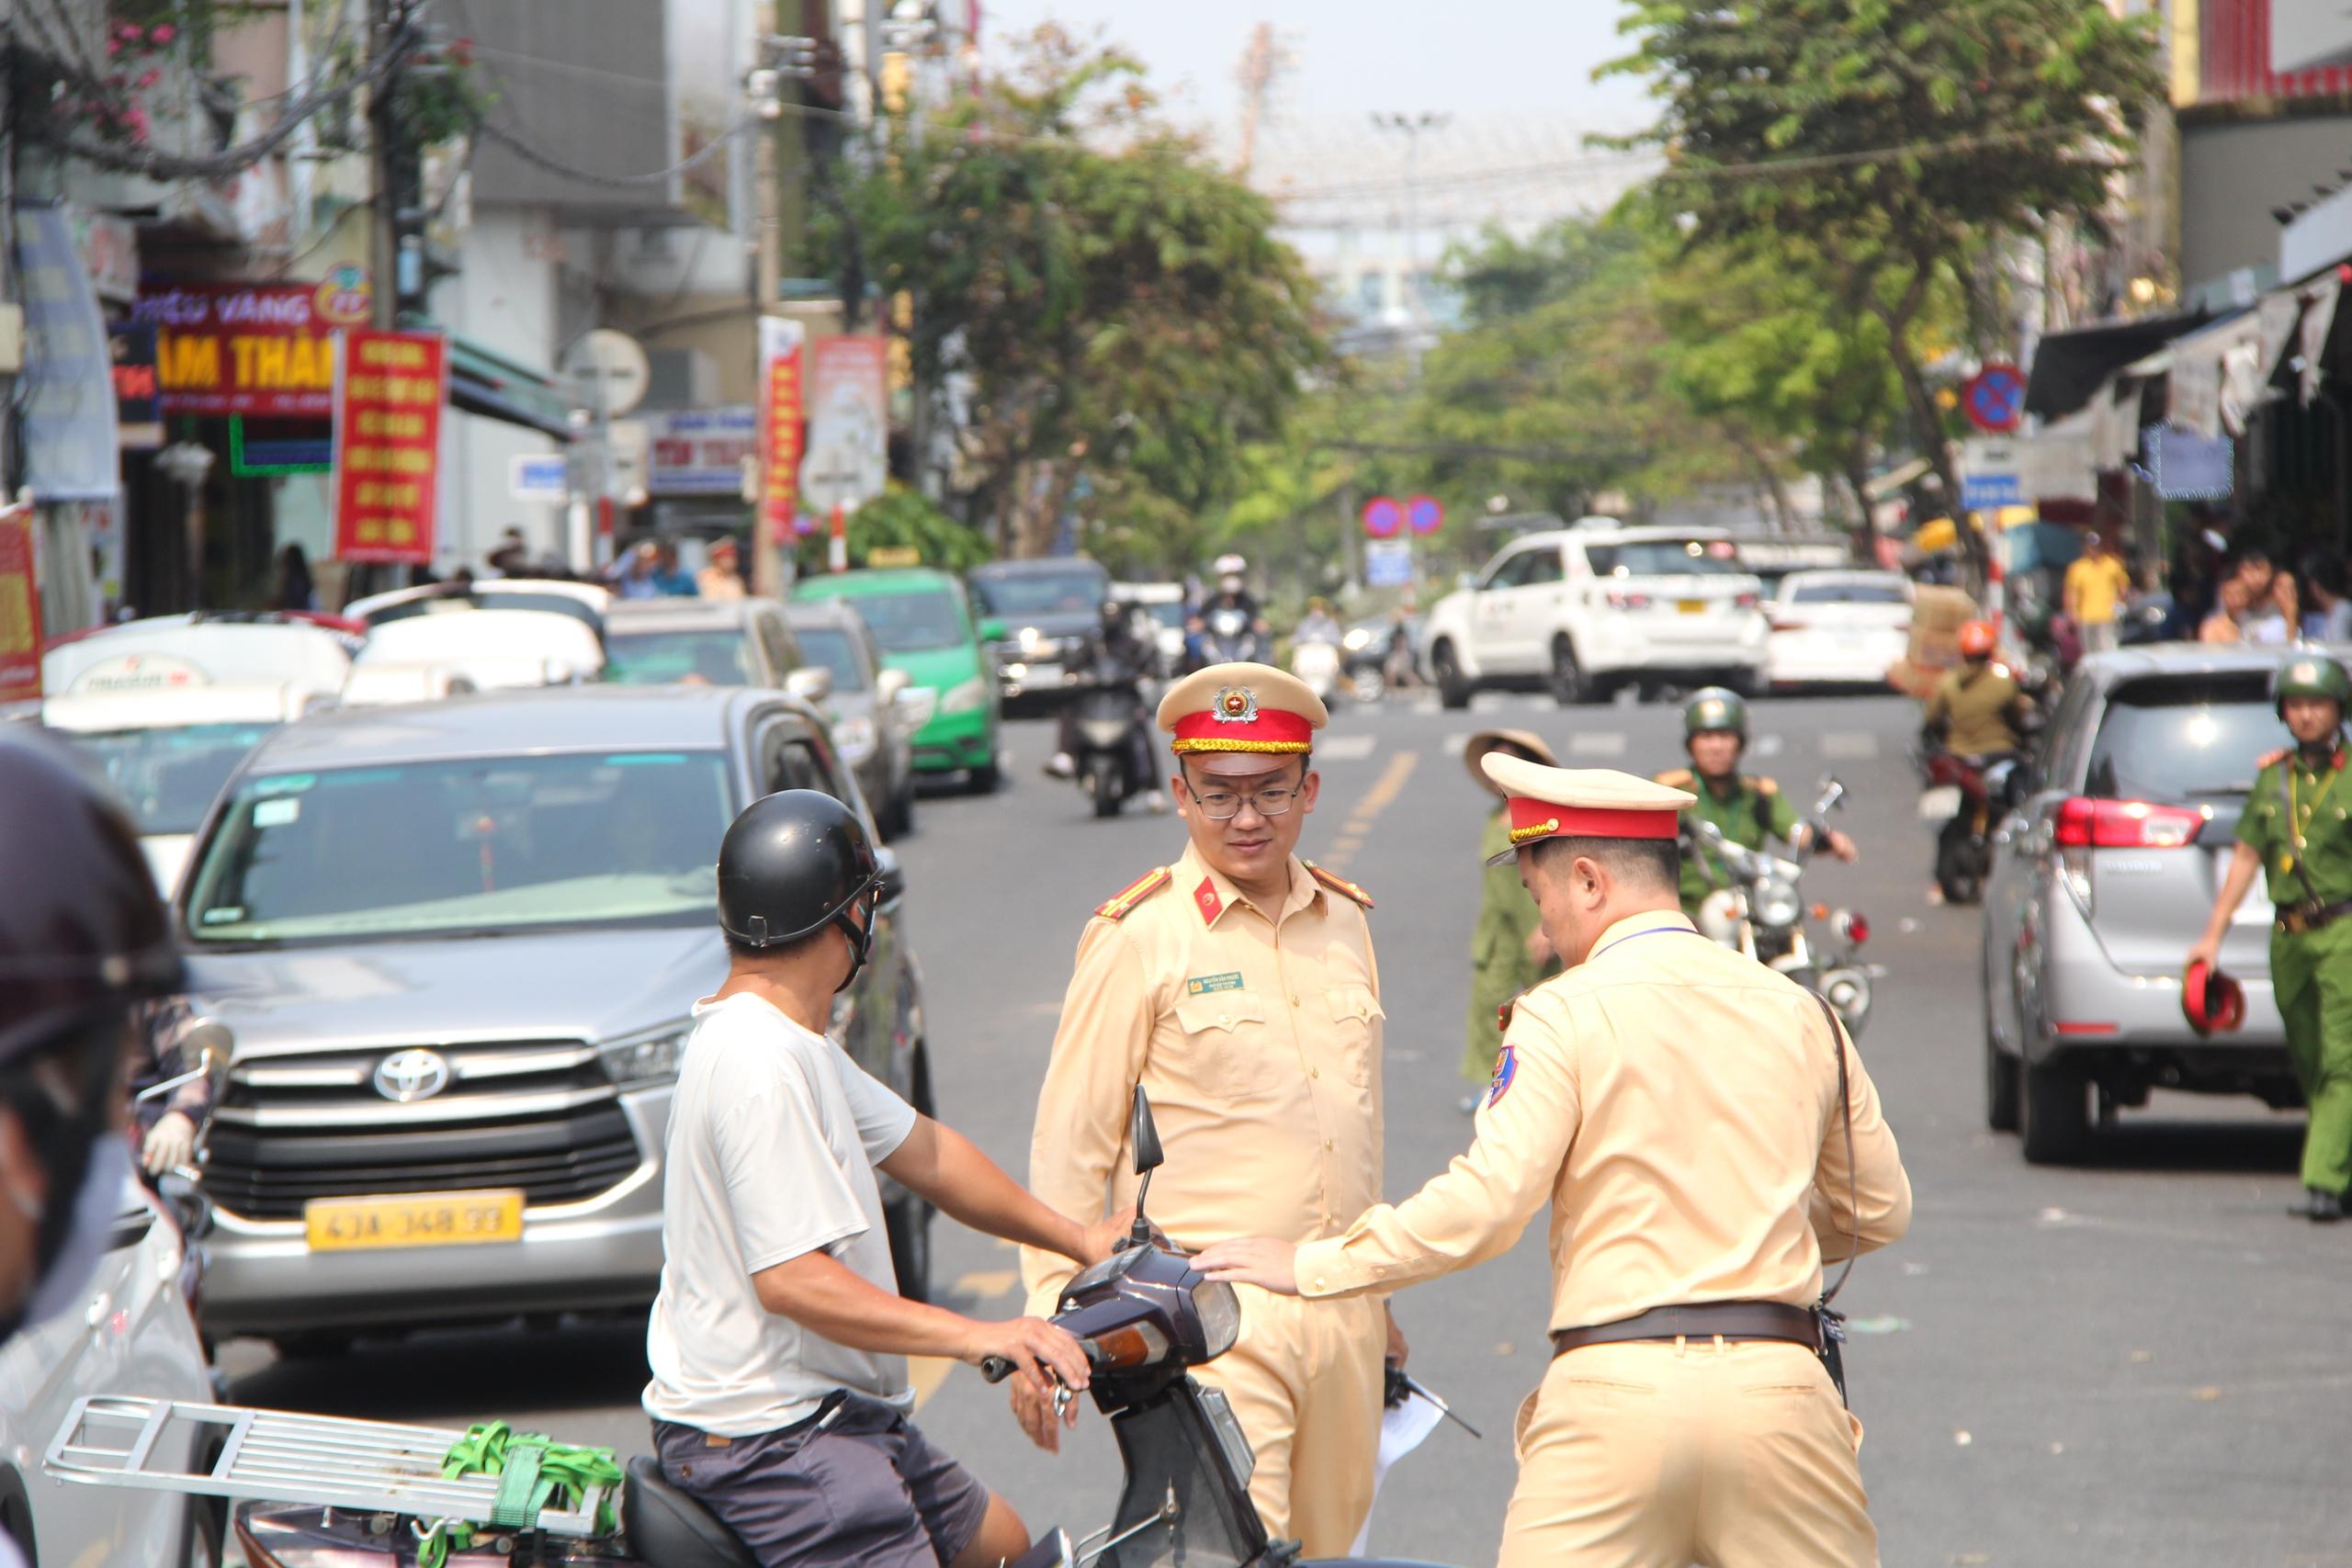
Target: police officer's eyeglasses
<point>1224,804</point>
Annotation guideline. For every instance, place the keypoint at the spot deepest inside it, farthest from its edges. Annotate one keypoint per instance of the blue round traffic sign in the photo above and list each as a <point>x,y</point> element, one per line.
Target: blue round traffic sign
<point>1383,516</point>
<point>1994,399</point>
<point>1424,513</point>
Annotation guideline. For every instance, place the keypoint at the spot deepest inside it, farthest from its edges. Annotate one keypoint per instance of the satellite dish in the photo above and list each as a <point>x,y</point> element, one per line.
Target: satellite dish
<point>607,372</point>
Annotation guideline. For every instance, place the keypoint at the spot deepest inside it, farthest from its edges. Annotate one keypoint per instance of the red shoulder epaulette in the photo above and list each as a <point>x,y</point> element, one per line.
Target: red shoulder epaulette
<point>1338,885</point>
<point>1122,903</point>
<point>2272,758</point>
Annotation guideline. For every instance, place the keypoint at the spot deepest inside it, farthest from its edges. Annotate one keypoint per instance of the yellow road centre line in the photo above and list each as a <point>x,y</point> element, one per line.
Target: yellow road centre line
<point>1378,799</point>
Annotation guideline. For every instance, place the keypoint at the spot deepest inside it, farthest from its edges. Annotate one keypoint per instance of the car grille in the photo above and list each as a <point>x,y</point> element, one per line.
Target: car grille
<point>536,1115</point>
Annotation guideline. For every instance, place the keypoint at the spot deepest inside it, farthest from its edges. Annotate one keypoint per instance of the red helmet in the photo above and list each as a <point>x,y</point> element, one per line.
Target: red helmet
<point>1976,639</point>
<point>2212,1001</point>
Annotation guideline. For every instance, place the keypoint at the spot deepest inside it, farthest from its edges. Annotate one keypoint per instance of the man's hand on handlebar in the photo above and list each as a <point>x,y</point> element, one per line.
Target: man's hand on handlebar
<point>1039,1353</point>
<point>170,1142</point>
<point>1265,1262</point>
<point>1039,1417</point>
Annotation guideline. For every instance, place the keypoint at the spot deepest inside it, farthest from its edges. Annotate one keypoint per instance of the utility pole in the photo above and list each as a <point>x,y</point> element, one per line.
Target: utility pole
<point>392,158</point>
<point>1260,64</point>
<point>782,58</point>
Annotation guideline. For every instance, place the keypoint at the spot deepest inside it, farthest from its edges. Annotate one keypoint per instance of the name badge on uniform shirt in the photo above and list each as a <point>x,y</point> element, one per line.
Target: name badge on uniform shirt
<point>1202,985</point>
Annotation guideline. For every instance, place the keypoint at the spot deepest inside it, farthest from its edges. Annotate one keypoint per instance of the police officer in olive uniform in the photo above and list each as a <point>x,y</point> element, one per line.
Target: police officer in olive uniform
<point>1509,951</point>
<point>2297,831</point>
<point>1746,808</point>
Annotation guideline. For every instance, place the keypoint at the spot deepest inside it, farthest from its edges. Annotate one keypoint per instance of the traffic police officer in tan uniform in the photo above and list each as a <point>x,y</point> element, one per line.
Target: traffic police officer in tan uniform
<point>1677,1103</point>
<point>1237,986</point>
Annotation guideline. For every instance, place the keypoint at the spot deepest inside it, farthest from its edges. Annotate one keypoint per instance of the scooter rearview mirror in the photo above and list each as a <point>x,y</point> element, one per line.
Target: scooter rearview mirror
<point>1144,1134</point>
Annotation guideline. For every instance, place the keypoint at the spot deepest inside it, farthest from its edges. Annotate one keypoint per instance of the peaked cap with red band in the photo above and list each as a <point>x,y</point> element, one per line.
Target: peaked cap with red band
<point>1242,707</point>
<point>1580,803</point>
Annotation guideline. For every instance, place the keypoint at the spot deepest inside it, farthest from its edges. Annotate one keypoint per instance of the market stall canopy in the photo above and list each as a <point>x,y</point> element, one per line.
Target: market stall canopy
<point>2070,365</point>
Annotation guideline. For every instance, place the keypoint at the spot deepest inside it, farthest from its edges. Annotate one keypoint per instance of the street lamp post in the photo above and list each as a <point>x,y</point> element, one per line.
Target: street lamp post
<point>1412,127</point>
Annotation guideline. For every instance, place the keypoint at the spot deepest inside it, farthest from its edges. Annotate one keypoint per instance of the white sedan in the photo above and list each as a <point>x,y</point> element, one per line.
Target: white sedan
<point>1837,628</point>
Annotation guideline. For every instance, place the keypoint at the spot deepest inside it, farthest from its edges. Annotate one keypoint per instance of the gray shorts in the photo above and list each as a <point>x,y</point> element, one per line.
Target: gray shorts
<point>854,1485</point>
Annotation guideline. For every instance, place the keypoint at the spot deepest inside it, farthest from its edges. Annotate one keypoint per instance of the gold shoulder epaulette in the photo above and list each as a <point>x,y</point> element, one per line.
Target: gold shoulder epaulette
<point>1338,885</point>
<point>1677,778</point>
<point>1122,903</point>
<point>2272,758</point>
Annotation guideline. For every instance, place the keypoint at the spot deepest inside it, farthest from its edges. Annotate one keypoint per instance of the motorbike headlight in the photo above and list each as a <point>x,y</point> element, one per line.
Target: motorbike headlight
<point>1777,903</point>
<point>647,1058</point>
<point>1356,640</point>
<point>854,736</point>
<point>965,696</point>
<point>1220,1311</point>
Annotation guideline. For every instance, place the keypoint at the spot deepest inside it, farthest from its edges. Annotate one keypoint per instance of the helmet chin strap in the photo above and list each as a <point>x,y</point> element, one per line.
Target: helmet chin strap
<point>861,941</point>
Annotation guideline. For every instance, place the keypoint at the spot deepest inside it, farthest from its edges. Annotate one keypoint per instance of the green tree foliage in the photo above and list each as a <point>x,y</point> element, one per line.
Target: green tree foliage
<point>1899,140</point>
<point>901,519</point>
<point>1113,308</point>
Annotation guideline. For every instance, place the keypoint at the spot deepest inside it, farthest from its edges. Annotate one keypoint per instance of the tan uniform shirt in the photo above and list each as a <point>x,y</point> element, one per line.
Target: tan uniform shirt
<point>1259,1041</point>
<point>1678,1104</point>
<point>1980,704</point>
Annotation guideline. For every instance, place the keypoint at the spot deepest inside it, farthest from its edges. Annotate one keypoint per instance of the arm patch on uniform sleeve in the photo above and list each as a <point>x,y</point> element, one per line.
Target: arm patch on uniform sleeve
<point>1506,1069</point>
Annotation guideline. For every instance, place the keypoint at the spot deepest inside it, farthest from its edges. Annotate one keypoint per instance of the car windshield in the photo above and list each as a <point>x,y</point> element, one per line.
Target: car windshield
<point>716,656</point>
<point>1169,613</point>
<point>1850,591</point>
<point>1665,557</point>
<point>2183,737</point>
<point>481,847</point>
<point>1041,593</point>
<point>829,648</point>
<point>169,776</point>
<point>909,623</point>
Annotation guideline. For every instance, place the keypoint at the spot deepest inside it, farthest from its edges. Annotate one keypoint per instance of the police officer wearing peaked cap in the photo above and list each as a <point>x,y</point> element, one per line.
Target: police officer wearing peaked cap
<point>2296,833</point>
<point>1748,808</point>
<point>1688,1415</point>
<point>1237,986</point>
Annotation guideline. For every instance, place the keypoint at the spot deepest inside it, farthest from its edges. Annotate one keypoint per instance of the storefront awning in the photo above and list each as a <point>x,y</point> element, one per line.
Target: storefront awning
<point>2069,367</point>
<point>488,384</point>
<point>2218,374</point>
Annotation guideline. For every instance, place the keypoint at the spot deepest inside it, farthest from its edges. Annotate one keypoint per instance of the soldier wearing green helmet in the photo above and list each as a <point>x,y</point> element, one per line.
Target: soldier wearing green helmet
<point>1748,808</point>
<point>2296,832</point>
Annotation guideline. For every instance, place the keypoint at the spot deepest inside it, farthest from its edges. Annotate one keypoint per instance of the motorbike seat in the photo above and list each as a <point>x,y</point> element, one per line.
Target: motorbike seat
<point>668,1525</point>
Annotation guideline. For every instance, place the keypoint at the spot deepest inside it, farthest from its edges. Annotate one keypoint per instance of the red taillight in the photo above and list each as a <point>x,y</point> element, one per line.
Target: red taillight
<point>2080,1026</point>
<point>2087,824</point>
<point>1854,925</point>
<point>1747,601</point>
<point>1782,624</point>
<point>1623,599</point>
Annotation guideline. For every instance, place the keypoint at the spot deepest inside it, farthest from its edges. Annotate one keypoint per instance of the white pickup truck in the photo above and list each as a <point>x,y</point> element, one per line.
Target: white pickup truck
<point>1581,611</point>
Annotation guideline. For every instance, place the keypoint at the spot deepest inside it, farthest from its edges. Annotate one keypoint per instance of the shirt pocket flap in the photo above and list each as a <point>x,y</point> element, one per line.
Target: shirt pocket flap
<point>1354,1003</point>
<point>1226,1010</point>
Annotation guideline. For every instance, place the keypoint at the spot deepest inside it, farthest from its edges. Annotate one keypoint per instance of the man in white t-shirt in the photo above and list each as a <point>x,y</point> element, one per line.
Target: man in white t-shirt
<point>778,1342</point>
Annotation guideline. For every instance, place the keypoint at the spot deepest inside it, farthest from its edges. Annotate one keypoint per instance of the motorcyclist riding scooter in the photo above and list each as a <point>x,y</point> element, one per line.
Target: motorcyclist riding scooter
<point>1746,808</point>
<point>1104,731</point>
<point>1230,627</point>
<point>1971,735</point>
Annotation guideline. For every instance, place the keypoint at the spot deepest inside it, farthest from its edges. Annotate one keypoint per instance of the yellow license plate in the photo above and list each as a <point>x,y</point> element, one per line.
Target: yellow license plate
<point>1692,607</point>
<point>423,1219</point>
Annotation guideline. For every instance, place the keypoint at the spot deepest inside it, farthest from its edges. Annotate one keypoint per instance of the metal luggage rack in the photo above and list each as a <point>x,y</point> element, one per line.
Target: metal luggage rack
<point>283,1456</point>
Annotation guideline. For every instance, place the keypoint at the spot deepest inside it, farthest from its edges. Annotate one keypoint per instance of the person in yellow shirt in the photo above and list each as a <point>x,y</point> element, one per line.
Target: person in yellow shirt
<point>2096,587</point>
<point>1237,986</point>
<point>1706,1137</point>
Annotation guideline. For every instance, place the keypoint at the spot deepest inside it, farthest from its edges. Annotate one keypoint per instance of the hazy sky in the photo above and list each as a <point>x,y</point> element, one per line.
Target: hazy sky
<point>1356,56</point>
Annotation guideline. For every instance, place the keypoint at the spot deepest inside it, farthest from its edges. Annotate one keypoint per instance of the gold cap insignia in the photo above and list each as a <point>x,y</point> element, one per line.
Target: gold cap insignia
<point>1235,705</point>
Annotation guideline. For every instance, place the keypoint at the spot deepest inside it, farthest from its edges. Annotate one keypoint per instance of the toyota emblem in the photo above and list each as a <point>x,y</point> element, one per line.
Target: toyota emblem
<point>411,1075</point>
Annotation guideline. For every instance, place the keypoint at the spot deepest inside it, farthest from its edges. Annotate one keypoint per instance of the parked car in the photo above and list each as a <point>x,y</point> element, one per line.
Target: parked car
<point>425,657</point>
<point>875,710</point>
<point>719,642</point>
<point>2119,831</point>
<point>584,601</point>
<point>1037,618</point>
<point>457,944</point>
<point>135,1336</point>
<point>167,751</point>
<point>204,648</point>
<point>1162,603</point>
<point>1837,628</point>
<point>924,625</point>
<point>1581,611</point>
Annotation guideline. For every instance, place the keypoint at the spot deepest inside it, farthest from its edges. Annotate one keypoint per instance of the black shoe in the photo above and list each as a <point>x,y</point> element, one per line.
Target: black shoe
<point>2321,1207</point>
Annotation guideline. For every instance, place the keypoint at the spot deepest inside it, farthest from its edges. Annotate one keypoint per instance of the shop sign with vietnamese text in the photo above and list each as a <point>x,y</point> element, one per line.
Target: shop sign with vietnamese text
<point>387,400</point>
<point>257,349</point>
<point>780,408</point>
<point>19,608</point>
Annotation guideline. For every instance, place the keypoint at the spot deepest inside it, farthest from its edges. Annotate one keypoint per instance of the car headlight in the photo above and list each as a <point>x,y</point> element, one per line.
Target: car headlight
<point>1777,903</point>
<point>1030,640</point>
<point>1356,640</point>
<point>965,696</point>
<point>647,1058</point>
<point>854,736</point>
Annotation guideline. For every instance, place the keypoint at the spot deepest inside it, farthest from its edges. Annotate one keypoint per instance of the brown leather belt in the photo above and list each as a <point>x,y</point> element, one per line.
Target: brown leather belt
<point>2297,918</point>
<point>1707,1320</point>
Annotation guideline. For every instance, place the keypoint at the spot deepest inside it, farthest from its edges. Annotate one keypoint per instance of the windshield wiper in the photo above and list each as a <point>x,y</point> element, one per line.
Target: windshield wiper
<point>2245,788</point>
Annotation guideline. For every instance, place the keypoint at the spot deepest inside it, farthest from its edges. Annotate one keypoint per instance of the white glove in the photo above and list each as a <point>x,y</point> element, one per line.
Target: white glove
<point>169,1142</point>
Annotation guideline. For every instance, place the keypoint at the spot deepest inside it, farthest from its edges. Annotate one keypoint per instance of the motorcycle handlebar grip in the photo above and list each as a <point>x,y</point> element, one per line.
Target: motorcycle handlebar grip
<point>995,1368</point>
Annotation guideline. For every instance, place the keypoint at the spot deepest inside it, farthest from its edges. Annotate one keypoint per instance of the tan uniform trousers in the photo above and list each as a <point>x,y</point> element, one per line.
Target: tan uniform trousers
<point>1306,1383</point>
<point>1662,1456</point>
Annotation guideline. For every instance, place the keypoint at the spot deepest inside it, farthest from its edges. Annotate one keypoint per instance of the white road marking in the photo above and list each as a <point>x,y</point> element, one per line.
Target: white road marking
<point>1856,745</point>
<point>1596,743</point>
<point>1345,747</point>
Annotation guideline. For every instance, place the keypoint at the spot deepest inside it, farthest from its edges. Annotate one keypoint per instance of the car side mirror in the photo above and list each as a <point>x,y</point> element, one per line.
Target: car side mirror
<point>811,684</point>
<point>888,684</point>
<point>993,629</point>
<point>894,873</point>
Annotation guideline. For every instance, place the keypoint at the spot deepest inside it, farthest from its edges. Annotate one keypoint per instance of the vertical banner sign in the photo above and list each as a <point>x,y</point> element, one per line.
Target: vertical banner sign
<point>138,412</point>
<point>780,413</point>
<point>65,394</point>
<point>19,608</point>
<point>388,395</point>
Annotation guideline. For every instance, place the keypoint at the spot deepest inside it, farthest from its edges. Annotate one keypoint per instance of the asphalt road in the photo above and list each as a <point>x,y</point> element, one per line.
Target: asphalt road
<point>2137,1362</point>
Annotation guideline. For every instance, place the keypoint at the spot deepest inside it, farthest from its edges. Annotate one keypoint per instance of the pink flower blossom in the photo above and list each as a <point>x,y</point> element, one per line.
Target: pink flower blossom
<point>162,33</point>
<point>147,79</point>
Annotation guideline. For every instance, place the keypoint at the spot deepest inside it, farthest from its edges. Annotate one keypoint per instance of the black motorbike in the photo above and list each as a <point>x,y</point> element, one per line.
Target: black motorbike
<point>1144,1317</point>
<point>1227,636</point>
<point>1111,735</point>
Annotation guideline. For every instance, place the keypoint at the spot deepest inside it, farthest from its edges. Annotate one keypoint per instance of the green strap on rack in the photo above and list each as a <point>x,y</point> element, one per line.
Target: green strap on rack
<point>533,1470</point>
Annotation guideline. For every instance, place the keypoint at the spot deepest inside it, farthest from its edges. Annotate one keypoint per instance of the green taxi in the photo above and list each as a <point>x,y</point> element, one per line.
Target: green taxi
<point>924,625</point>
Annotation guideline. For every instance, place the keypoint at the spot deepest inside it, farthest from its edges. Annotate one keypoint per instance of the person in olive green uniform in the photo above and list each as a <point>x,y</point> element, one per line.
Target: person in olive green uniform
<point>2297,829</point>
<point>1746,808</point>
<point>1508,952</point>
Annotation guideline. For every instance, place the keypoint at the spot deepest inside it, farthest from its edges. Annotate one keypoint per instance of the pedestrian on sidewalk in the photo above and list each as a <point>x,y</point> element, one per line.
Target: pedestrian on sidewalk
<point>2097,585</point>
<point>1509,951</point>
<point>1238,987</point>
<point>1706,1137</point>
<point>720,578</point>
